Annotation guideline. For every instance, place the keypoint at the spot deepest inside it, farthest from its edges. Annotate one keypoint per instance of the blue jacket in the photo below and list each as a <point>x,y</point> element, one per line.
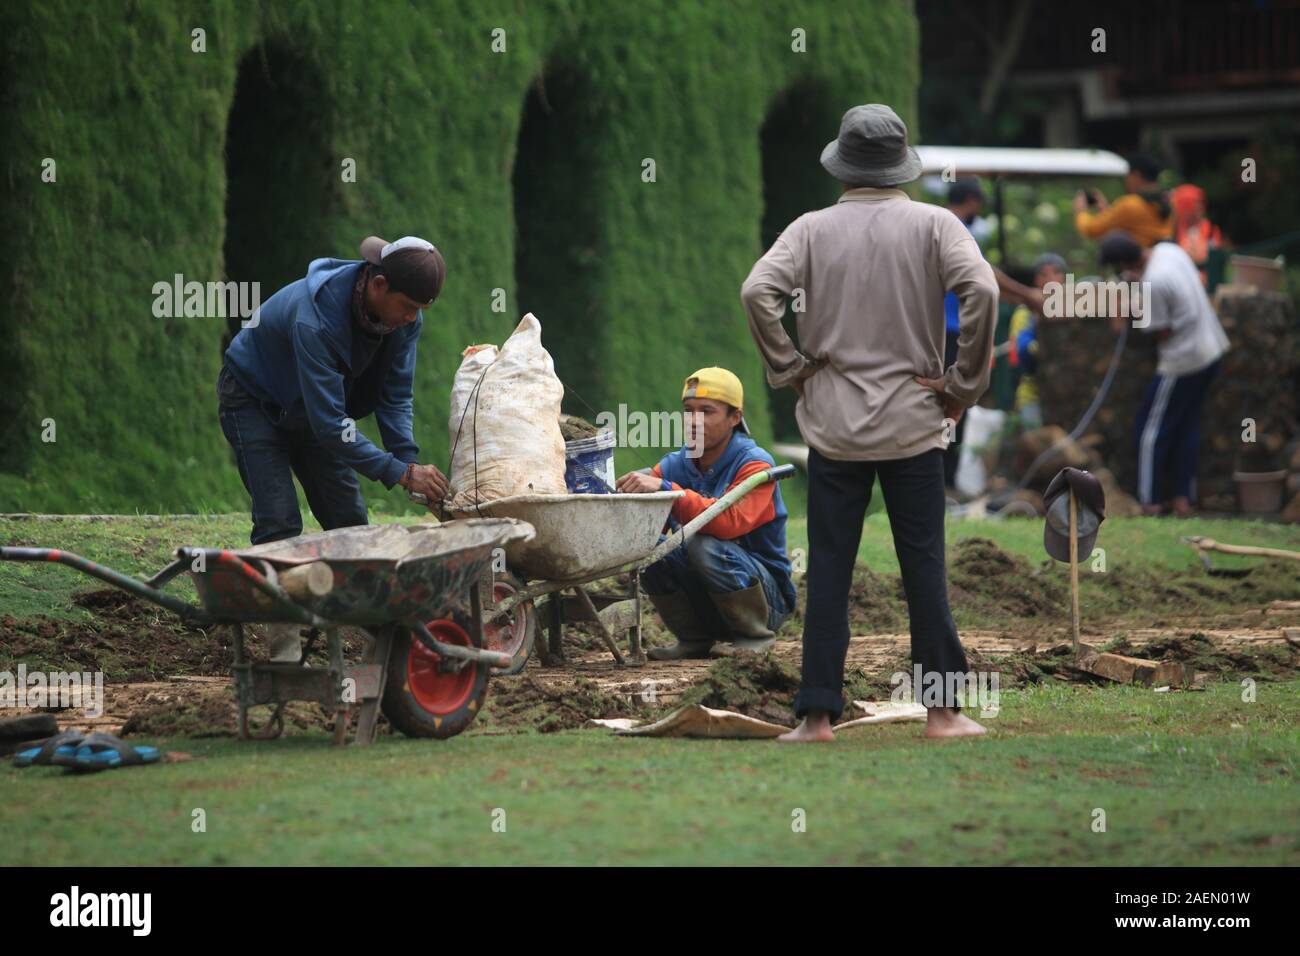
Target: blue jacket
<point>766,542</point>
<point>296,361</point>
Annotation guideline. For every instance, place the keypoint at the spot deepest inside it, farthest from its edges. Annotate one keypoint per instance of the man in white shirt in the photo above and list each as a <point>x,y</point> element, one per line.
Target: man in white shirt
<point>1190,345</point>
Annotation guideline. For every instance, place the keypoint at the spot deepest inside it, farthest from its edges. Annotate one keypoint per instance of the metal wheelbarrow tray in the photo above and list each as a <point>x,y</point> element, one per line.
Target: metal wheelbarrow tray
<point>581,539</point>
<point>579,535</point>
<point>411,588</point>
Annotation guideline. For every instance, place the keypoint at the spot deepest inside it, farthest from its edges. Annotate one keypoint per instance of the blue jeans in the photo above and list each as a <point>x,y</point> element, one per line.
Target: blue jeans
<point>713,565</point>
<point>269,457</point>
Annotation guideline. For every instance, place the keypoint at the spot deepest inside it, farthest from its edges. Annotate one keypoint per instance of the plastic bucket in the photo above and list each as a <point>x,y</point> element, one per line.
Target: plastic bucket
<point>589,465</point>
<point>1259,492</point>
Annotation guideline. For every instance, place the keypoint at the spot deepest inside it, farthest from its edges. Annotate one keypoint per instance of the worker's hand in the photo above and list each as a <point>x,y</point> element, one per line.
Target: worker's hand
<point>809,371</point>
<point>1079,203</point>
<point>636,482</point>
<point>426,480</point>
<point>952,408</point>
<point>1099,202</point>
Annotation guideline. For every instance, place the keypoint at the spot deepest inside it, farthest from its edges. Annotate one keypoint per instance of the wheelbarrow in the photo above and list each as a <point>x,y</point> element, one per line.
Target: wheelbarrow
<point>411,588</point>
<point>582,539</point>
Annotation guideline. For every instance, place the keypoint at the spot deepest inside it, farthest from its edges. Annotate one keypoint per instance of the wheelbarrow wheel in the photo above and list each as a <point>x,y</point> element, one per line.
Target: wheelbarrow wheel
<point>513,635</point>
<point>426,695</point>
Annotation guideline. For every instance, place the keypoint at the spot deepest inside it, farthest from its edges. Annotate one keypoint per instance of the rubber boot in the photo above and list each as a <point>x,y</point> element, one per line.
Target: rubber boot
<point>285,641</point>
<point>680,618</point>
<point>745,614</point>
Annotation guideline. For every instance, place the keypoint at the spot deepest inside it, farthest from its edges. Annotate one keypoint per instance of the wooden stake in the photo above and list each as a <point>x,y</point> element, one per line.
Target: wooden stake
<point>1074,571</point>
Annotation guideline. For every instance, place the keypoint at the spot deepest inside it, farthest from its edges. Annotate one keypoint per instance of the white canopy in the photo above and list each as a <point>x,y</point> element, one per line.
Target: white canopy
<point>993,160</point>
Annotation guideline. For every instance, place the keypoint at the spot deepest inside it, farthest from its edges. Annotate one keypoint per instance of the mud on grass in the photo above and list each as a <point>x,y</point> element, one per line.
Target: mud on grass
<point>988,586</point>
<point>1269,662</point>
<point>523,703</point>
<point>196,711</point>
<point>131,640</point>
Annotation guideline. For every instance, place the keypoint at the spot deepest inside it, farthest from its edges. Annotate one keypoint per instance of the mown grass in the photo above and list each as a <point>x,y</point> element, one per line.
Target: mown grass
<point>1182,778</point>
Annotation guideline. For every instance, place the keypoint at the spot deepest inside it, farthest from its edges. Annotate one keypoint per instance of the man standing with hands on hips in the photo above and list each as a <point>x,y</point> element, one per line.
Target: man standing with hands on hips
<point>875,401</point>
<point>324,352</point>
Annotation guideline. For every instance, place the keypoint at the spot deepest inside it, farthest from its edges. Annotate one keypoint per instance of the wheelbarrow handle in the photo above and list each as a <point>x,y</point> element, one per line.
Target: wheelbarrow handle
<point>108,575</point>
<point>689,530</point>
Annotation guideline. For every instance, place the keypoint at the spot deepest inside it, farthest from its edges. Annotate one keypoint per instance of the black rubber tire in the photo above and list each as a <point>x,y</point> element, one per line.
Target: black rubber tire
<point>406,713</point>
<point>526,615</point>
<point>29,727</point>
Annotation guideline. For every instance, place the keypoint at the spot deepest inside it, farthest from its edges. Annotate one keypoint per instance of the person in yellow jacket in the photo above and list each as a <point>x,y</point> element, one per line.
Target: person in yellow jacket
<point>1143,212</point>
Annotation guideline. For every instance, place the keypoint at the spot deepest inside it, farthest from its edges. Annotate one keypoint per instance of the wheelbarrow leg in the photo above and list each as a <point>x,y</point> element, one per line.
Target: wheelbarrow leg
<point>634,651</point>
<point>242,673</point>
<point>601,629</point>
<point>555,630</point>
<point>334,641</point>
<point>368,717</point>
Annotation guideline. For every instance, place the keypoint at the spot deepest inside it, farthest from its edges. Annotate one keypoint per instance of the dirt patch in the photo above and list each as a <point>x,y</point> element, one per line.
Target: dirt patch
<point>876,604</point>
<point>185,709</point>
<point>163,714</point>
<point>128,639</point>
<point>1221,662</point>
<point>132,640</point>
<point>523,703</point>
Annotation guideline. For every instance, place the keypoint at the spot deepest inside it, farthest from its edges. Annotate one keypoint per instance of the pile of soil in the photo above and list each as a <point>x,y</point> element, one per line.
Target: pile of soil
<point>524,703</point>
<point>206,715</point>
<point>573,428</point>
<point>1264,662</point>
<point>128,639</point>
<point>132,640</point>
<point>756,685</point>
<point>877,604</point>
<point>982,575</point>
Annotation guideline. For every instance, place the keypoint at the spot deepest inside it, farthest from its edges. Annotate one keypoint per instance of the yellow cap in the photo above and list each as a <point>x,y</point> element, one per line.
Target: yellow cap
<point>715,383</point>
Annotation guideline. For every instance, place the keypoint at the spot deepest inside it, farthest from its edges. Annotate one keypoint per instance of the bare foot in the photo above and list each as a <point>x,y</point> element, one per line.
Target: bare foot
<point>946,722</point>
<point>1182,507</point>
<point>1151,511</point>
<point>815,728</point>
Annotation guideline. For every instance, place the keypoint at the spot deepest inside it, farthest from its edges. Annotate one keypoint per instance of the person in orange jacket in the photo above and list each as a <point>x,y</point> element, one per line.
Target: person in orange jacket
<point>731,582</point>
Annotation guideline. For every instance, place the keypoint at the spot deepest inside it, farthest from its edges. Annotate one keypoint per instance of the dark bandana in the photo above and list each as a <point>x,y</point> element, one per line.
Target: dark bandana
<point>359,314</point>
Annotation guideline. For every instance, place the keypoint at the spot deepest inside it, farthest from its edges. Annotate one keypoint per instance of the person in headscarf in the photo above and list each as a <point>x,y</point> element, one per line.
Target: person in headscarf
<point>1196,234</point>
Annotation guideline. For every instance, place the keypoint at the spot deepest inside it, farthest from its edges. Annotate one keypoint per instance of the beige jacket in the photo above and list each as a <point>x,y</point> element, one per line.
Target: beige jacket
<point>873,270</point>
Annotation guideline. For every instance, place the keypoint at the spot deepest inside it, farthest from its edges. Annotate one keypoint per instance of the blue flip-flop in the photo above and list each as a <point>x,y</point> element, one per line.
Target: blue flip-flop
<point>59,750</point>
<point>102,751</point>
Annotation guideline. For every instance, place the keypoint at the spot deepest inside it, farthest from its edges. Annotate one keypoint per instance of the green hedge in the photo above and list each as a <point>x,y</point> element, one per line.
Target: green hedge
<point>637,282</point>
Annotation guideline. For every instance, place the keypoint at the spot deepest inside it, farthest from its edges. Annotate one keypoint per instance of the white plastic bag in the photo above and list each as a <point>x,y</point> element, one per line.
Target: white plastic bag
<point>505,421</point>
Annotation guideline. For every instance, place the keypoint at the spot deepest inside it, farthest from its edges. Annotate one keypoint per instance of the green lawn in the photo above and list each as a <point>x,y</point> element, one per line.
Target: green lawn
<point>1183,778</point>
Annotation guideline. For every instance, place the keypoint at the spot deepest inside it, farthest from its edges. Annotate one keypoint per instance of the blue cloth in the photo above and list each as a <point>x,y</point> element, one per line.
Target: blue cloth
<point>951,313</point>
<point>296,362</point>
<point>709,565</point>
<point>766,543</point>
<point>269,455</point>
<point>951,304</point>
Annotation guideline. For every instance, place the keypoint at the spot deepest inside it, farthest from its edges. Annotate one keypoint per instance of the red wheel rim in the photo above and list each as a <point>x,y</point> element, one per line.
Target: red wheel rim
<point>506,636</point>
<point>436,690</point>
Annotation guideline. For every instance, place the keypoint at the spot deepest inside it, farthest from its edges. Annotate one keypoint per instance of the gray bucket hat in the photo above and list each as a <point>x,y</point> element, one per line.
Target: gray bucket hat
<point>871,149</point>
